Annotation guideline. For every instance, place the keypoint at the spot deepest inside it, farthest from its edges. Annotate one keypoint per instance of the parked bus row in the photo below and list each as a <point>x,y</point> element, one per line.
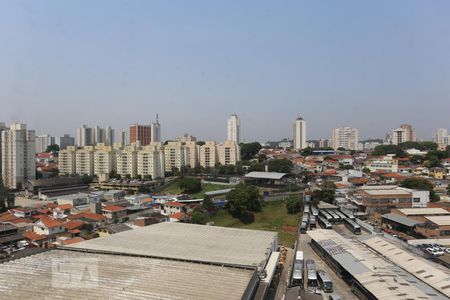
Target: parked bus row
<point>324,223</point>
<point>352,226</point>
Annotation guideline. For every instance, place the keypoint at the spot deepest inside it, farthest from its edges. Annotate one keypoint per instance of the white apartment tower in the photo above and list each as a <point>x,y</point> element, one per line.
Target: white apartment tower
<point>234,127</point>
<point>229,153</point>
<point>43,141</point>
<point>126,161</point>
<point>299,134</point>
<point>405,133</point>
<point>18,150</point>
<point>150,161</point>
<point>345,137</point>
<point>84,161</point>
<point>441,137</point>
<point>208,154</point>
<point>191,153</point>
<point>67,161</point>
<point>174,156</point>
<point>104,159</point>
<point>85,136</point>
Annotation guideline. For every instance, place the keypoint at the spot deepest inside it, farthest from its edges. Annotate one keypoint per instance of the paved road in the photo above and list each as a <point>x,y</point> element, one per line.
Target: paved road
<point>339,286</point>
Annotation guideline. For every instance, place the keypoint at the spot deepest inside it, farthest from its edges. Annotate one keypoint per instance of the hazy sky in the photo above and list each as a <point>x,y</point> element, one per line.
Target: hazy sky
<point>367,64</point>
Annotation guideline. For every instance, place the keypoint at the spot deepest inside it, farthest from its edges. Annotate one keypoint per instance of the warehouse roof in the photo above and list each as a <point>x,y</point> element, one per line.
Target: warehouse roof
<point>379,276</point>
<point>439,220</point>
<point>191,242</point>
<point>401,220</point>
<point>266,175</point>
<point>118,277</point>
<point>422,269</point>
<point>423,211</point>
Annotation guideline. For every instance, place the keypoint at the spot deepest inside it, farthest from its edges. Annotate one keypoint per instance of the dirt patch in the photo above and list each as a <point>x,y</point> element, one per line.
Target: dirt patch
<point>289,228</point>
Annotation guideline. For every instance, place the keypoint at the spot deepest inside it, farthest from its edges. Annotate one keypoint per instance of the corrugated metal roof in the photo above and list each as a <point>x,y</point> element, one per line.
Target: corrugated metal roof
<point>45,276</point>
<point>266,175</point>
<point>381,277</point>
<point>423,211</point>
<point>420,268</point>
<point>401,220</point>
<point>439,220</point>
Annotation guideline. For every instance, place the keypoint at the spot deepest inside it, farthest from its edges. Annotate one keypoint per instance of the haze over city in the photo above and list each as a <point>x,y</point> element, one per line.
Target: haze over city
<point>371,65</point>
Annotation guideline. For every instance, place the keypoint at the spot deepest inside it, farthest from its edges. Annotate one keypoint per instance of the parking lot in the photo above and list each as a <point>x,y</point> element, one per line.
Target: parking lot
<point>339,286</point>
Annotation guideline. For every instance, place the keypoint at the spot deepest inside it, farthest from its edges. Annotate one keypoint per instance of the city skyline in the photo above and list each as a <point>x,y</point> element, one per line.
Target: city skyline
<point>362,66</point>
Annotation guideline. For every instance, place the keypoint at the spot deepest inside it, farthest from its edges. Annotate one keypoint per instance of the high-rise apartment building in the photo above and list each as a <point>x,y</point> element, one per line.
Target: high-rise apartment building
<point>65,141</point>
<point>124,138</point>
<point>109,136</point>
<point>208,154</point>
<point>155,131</point>
<point>345,137</point>
<point>67,161</point>
<point>150,161</point>
<point>104,159</point>
<point>126,161</point>
<point>2,127</point>
<point>234,127</point>
<point>140,134</point>
<point>405,133</point>
<point>441,137</point>
<point>18,150</point>
<point>43,141</point>
<point>299,134</point>
<point>229,153</point>
<point>191,153</point>
<point>84,161</point>
<point>174,156</point>
<point>85,136</point>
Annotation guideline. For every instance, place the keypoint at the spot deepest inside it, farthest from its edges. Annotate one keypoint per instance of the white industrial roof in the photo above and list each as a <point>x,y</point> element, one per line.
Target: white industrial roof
<point>387,192</point>
<point>439,220</point>
<point>43,276</point>
<point>422,269</point>
<point>266,175</point>
<point>191,242</point>
<point>424,211</point>
<point>379,276</point>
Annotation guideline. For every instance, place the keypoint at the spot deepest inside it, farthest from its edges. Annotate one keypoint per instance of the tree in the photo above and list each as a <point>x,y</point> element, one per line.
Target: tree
<point>190,185</point>
<point>385,149</point>
<point>307,151</point>
<point>420,184</point>
<point>52,148</point>
<point>208,204</point>
<point>326,193</point>
<point>280,165</point>
<point>199,217</point>
<point>243,201</point>
<point>366,170</point>
<point>294,204</point>
<point>86,179</point>
<point>341,149</point>
<point>249,150</point>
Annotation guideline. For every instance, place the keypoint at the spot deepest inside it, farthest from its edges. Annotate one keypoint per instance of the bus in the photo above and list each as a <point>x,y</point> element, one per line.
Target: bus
<point>306,209</point>
<point>303,227</point>
<point>334,215</point>
<point>311,272</point>
<point>341,215</point>
<point>324,281</point>
<point>307,198</point>
<point>348,214</point>
<point>314,211</point>
<point>312,222</point>
<point>326,215</point>
<point>297,277</point>
<point>324,223</point>
<point>352,226</point>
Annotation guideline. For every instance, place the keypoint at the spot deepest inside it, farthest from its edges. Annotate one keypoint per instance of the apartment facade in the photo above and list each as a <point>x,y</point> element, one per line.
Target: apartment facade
<point>345,137</point>
<point>104,159</point>
<point>65,141</point>
<point>18,150</point>
<point>229,153</point>
<point>208,154</point>
<point>140,134</point>
<point>126,161</point>
<point>150,161</point>
<point>67,161</point>
<point>84,161</point>
<point>191,153</point>
<point>43,141</point>
<point>174,156</point>
<point>405,133</point>
<point>234,127</point>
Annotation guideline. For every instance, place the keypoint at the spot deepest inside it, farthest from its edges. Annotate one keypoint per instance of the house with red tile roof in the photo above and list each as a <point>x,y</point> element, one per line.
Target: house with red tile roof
<point>173,207</point>
<point>177,217</point>
<point>115,213</point>
<point>34,238</point>
<point>46,225</point>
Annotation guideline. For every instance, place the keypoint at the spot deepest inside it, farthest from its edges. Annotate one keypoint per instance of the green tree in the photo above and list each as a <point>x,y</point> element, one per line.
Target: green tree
<point>208,204</point>
<point>199,217</point>
<point>326,193</point>
<point>280,165</point>
<point>341,149</point>
<point>420,184</point>
<point>190,185</point>
<point>307,151</point>
<point>243,201</point>
<point>294,204</point>
<point>249,150</point>
<point>86,179</point>
<point>52,148</point>
<point>385,149</point>
<point>366,170</point>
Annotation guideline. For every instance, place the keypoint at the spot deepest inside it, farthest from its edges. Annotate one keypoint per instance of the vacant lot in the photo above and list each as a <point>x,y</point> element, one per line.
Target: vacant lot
<point>274,217</point>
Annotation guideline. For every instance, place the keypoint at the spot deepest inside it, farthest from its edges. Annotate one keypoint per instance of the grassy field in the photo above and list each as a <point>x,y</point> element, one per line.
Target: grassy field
<point>173,188</point>
<point>274,217</point>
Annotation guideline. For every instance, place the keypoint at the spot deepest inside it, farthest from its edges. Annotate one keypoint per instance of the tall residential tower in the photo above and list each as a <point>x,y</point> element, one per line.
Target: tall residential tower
<point>299,133</point>
<point>234,125</point>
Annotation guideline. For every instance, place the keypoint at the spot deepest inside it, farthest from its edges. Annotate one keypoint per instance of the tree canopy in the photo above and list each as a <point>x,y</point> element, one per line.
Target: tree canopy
<point>419,184</point>
<point>190,185</point>
<point>249,150</point>
<point>242,201</point>
<point>326,193</point>
<point>307,151</point>
<point>280,165</point>
<point>53,148</point>
<point>294,204</point>
<point>199,217</point>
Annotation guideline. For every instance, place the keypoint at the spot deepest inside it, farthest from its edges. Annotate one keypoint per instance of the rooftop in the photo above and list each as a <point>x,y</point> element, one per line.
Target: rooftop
<point>266,175</point>
<point>121,277</point>
<point>401,220</point>
<point>423,211</point>
<point>439,220</point>
<point>190,242</point>
<point>382,278</point>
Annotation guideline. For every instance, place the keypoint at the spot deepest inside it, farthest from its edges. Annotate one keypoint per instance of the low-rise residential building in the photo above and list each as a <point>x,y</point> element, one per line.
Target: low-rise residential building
<point>171,208</point>
<point>115,214</point>
<point>48,226</point>
<point>386,164</point>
